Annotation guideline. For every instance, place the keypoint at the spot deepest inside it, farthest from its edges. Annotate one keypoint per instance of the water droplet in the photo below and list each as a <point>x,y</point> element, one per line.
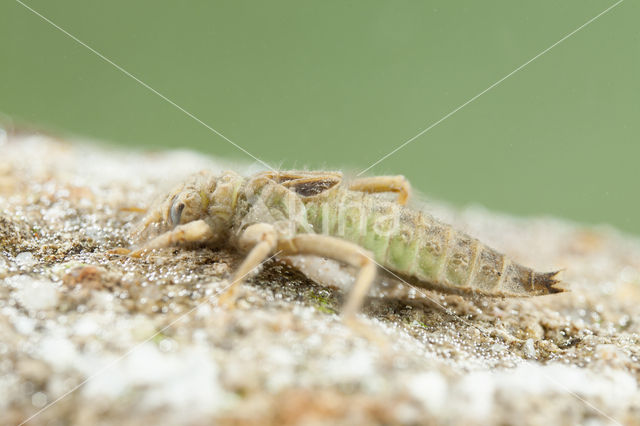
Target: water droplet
<point>25,259</point>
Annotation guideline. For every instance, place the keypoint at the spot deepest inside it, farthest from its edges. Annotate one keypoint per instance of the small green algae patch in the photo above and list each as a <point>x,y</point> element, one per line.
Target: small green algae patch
<point>321,303</point>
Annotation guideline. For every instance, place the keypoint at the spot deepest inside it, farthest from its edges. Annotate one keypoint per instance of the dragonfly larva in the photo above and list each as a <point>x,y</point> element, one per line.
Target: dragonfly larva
<point>319,213</point>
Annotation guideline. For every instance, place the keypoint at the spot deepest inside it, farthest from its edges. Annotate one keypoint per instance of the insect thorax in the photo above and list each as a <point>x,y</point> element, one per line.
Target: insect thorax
<point>268,202</point>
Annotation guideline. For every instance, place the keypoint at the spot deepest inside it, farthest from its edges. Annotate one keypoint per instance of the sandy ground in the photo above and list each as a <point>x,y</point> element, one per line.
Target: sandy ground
<point>89,337</point>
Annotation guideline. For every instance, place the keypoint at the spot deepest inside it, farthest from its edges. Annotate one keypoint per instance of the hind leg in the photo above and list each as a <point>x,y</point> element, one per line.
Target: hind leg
<point>351,254</point>
<point>260,240</point>
<point>342,251</point>
<point>397,184</point>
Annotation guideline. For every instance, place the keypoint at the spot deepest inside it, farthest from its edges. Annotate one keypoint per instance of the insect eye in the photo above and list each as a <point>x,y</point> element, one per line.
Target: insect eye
<point>176,212</point>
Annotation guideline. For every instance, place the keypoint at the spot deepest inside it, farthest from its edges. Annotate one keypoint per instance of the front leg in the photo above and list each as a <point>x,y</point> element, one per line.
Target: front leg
<point>197,231</point>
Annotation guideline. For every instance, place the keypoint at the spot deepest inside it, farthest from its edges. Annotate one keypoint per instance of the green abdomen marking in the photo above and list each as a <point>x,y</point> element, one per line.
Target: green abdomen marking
<point>410,242</point>
<point>433,240</point>
<point>403,245</point>
<point>398,237</point>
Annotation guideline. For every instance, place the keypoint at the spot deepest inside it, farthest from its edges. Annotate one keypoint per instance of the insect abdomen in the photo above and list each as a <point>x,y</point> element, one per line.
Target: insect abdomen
<point>417,245</point>
<point>452,260</point>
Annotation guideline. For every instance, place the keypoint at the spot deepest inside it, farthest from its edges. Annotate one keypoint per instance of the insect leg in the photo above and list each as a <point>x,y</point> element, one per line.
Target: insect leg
<point>193,232</point>
<point>343,251</point>
<point>264,240</point>
<point>260,240</point>
<point>397,184</point>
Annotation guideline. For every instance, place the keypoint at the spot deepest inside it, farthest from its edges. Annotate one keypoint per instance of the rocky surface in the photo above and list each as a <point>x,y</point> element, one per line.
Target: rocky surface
<point>89,336</point>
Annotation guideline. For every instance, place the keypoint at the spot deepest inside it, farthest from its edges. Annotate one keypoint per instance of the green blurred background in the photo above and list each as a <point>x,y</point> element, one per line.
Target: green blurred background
<point>339,84</point>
